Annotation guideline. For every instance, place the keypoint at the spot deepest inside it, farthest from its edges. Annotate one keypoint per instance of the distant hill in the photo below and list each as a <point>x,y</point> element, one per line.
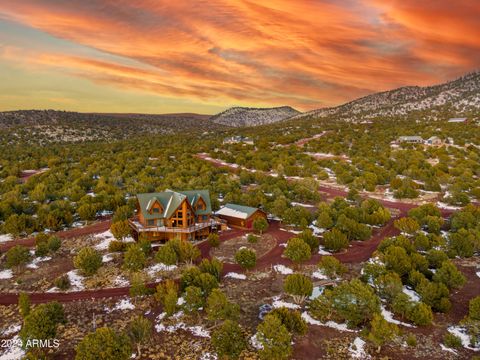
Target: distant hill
<point>46,126</point>
<point>458,97</point>
<point>243,116</point>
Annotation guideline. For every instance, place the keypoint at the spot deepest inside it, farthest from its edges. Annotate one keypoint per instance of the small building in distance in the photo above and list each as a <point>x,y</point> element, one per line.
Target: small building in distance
<point>240,216</point>
<point>434,141</point>
<point>458,120</point>
<point>410,139</point>
<point>238,139</point>
<point>169,214</point>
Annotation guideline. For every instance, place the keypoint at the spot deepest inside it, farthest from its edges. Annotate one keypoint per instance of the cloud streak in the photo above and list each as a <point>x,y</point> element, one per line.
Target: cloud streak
<point>303,53</point>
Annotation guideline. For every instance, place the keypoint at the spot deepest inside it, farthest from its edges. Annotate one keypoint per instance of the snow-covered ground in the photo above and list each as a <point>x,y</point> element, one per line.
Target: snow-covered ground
<point>322,251</point>
<point>12,329</point>
<point>121,281</point>
<point>332,324</point>
<point>389,317</point>
<point>198,331</point>
<point>14,352</point>
<point>412,294</point>
<point>76,280</point>
<point>255,343</point>
<point>6,274</point>
<point>296,232</point>
<point>123,304</point>
<point>106,238</point>
<point>5,238</point>
<point>235,275</point>
<point>318,274</point>
<point>461,332</point>
<point>34,263</point>
<point>107,258</point>
<point>282,269</point>
<point>316,230</point>
<point>357,349</point>
<point>154,269</point>
<point>316,292</point>
<point>444,348</point>
<point>279,303</point>
<point>302,204</point>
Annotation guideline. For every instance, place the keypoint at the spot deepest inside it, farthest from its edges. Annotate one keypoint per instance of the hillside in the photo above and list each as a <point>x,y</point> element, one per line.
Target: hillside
<point>458,97</point>
<point>46,126</point>
<point>242,116</point>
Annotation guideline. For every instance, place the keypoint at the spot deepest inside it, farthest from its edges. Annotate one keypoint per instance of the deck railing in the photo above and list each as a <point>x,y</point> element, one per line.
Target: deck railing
<point>137,226</point>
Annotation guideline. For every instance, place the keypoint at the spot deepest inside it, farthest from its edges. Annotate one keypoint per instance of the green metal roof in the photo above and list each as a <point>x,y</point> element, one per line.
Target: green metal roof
<point>171,200</point>
<point>247,210</point>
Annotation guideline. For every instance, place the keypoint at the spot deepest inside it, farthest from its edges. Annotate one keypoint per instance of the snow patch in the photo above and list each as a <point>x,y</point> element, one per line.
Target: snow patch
<point>462,333</point>
<point>331,324</point>
<point>235,275</point>
<point>319,275</point>
<point>154,269</point>
<point>76,280</point>
<point>12,329</point>
<point>6,274</point>
<point>106,238</point>
<point>255,342</point>
<point>444,348</point>
<point>357,349</point>
<point>389,317</point>
<point>412,294</point>
<point>280,303</point>
<point>36,261</point>
<point>124,304</point>
<point>5,238</point>
<point>14,352</point>
<point>282,269</point>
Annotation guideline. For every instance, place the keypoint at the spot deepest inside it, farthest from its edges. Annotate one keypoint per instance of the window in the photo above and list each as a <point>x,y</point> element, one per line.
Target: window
<point>179,214</point>
<point>205,217</point>
<point>150,222</point>
<point>180,222</point>
<point>156,210</point>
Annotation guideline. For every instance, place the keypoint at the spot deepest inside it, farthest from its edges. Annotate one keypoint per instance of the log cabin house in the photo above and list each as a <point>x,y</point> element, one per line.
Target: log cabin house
<point>240,216</point>
<point>166,215</point>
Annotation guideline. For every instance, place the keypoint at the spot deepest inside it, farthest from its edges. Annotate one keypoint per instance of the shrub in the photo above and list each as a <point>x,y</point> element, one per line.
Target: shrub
<point>213,267</point>
<point>310,239</point>
<point>166,255</point>
<point>17,256</point>
<point>134,258</point>
<point>389,285</point>
<point>297,250</point>
<point>421,314</point>
<point>120,229</point>
<point>214,240</point>
<point>334,240</point>
<point>331,267</point>
<point>252,239</point>
<point>219,308</point>
<point>24,304</point>
<point>474,308</point>
<point>381,331</point>
<point>402,305</point>
<point>246,258</point>
<point>228,340</point>
<point>54,243</point>
<point>117,246</point>
<point>41,249</point>
<point>88,260</point>
<point>104,343</point>
<point>436,258</point>
<point>449,275</point>
<point>291,319</point>
<point>274,338</point>
<point>193,299</point>
<point>146,246</point>
<point>167,295</point>
<point>139,331</point>
<point>299,286</point>
<point>260,224</point>
<point>63,282</point>
<point>452,341</point>
<point>411,340</point>
<point>41,323</point>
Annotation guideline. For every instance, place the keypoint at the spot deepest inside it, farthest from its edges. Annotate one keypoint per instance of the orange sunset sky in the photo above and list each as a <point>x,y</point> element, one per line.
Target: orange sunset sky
<point>204,56</point>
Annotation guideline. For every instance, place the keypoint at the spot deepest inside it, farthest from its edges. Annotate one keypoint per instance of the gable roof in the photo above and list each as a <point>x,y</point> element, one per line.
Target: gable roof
<point>237,211</point>
<point>171,200</point>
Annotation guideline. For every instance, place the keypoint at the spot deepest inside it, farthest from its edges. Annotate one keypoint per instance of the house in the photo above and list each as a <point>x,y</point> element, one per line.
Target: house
<point>240,216</point>
<point>410,139</point>
<point>238,139</point>
<point>162,216</point>
<point>458,120</point>
<point>434,141</point>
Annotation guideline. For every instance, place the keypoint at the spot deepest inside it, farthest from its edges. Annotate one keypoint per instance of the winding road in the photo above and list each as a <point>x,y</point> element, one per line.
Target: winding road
<point>358,251</point>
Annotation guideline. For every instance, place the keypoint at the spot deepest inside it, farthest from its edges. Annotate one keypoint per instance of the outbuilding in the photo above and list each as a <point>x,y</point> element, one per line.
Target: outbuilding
<point>240,216</point>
